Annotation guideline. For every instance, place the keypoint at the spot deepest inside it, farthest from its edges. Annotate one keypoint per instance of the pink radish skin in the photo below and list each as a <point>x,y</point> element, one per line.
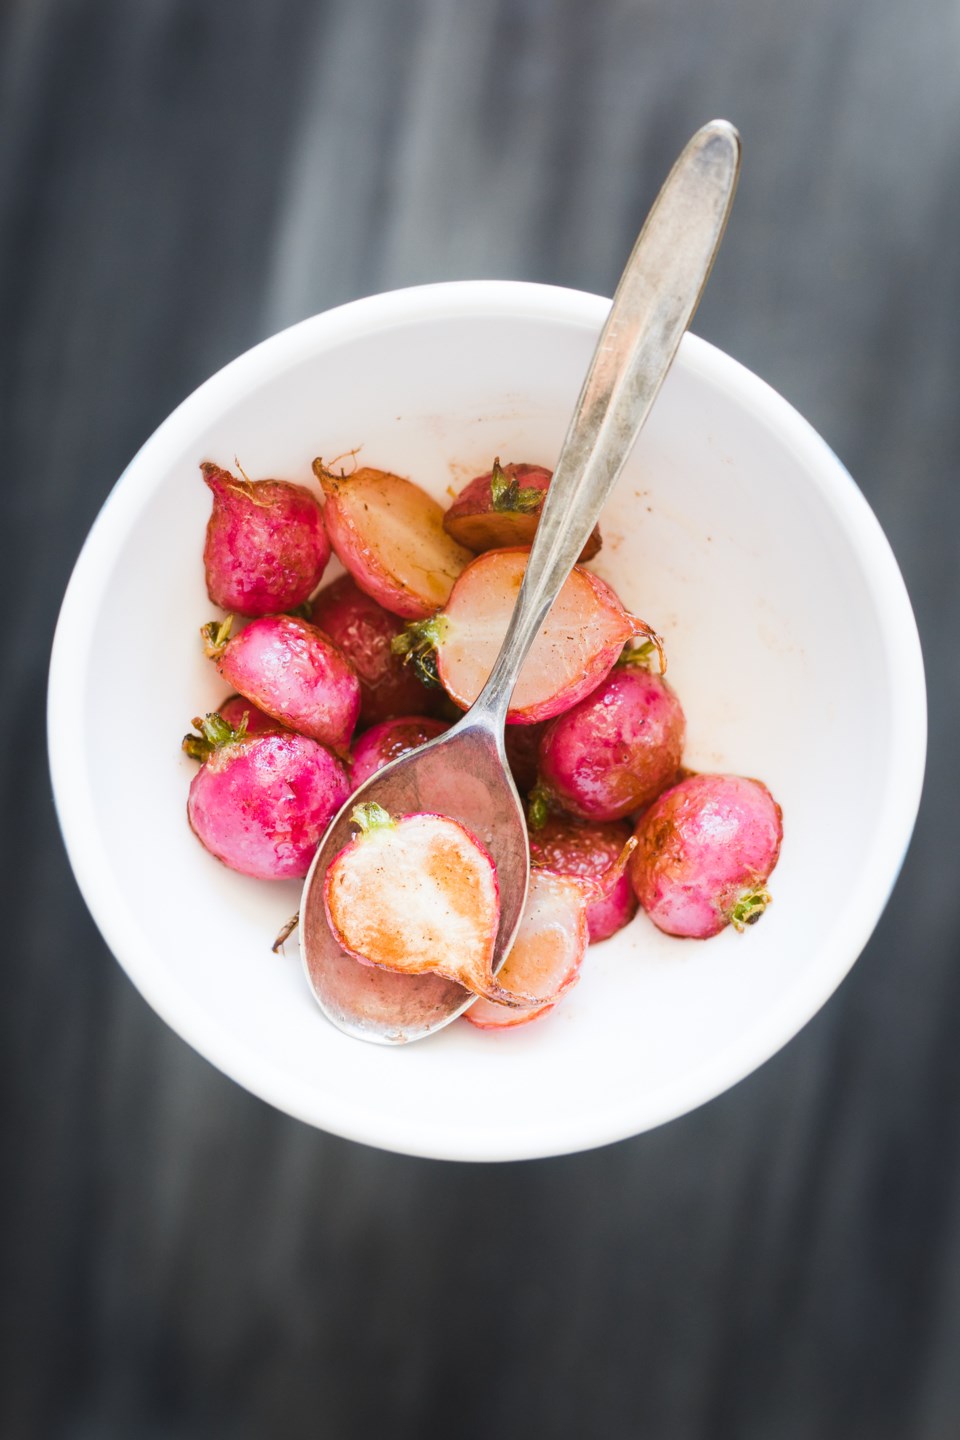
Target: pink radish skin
<point>266,547</point>
<point>482,521</point>
<point>291,670</point>
<point>362,630</point>
<point>261,804</point>
<point>389,740</point>
<point>236,707</point>
<point>418,895</point>
<point>551,942</point>
<point>581,848</point>
<point>613,752</point>
<point>581,639</point>
<point>389,535</point>
<point>705,850</point>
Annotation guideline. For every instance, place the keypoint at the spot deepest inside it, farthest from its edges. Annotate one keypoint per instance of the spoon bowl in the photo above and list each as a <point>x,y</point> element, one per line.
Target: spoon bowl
<point>463,774</point>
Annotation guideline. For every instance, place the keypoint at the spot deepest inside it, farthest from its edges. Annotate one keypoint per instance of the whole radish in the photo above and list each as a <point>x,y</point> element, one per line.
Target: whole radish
<point>550,944</point>
<point>363,630</point>
<point>705,849</point>
<point>388,534</point>
<point>418,894</point>
<point>502,508</point>
<point>260,803</point>
<point>522,744</point>
<point>582,636</point>
<point>389,740</point>
<point>294,672</point>
<point>614,751</point>
<point>266,547</point>
<point>581,848</point>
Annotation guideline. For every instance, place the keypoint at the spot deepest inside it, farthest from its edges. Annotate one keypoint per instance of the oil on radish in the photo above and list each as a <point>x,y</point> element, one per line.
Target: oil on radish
<point>614,751</point>
<point>260,803</point>
<point>705,851</point>
<point>266,547</point>
<point>294,672</point>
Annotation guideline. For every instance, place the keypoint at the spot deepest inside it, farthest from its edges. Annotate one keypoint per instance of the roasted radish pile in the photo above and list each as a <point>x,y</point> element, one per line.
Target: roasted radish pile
<point>324,684</point>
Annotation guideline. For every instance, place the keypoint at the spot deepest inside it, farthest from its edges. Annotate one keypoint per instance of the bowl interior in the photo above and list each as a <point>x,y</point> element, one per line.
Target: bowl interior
<point>733,530</point>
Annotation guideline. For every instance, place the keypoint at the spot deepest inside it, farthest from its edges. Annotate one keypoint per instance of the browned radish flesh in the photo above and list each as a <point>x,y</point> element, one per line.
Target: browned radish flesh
<point>389,535</point>
<point>581,639</point>
<point>418,894</point>
<point>502,508</point>
<point>551,942</point>
<point>546,954</point>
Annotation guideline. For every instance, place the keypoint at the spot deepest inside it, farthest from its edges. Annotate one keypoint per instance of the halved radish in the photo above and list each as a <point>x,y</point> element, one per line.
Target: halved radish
<point>419,895</point>
<point>580,642</point>
<point>389,534</point>
<point>550,945</point>
<point>503,508</point>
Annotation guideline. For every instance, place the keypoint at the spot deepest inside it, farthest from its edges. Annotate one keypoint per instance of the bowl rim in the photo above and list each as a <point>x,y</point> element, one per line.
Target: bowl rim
<point>115,918</point>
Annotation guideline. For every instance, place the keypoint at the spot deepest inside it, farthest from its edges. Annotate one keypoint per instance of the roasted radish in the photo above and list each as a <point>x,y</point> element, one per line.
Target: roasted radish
<point>502,508</point>
<point>585,849</point>
<point>389,740</point>
<point>582,637</point>
<point>614,751</point>
<point>389,535</point>
<point>550,944</point>
<point>362,630</point>
<point>419,895</point>
<point>705,850</point>
<point>266,547</point>
<point>260,803</point>
<point>294,672</point>
<point>237,710</point>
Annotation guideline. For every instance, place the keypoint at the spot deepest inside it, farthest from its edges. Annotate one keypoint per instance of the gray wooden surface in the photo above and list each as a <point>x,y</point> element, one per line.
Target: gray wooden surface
<point>179,178</point>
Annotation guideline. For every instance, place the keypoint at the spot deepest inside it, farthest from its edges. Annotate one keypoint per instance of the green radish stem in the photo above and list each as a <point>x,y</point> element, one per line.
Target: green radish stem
<point>749,908</point>
<point>507,494</point>
<point>215,732</point>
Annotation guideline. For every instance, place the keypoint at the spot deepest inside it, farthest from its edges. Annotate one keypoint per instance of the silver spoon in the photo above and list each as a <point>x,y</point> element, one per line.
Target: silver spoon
<point>464,772</point>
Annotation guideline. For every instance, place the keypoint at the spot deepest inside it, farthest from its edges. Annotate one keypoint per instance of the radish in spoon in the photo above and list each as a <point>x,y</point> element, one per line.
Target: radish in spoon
<point>583,635</point>
<point>502,508</point>
<point>418,895</point>
<point>294,672</point>
<point>389,535</point>
<point>266,547</point>
<point>706,849</point>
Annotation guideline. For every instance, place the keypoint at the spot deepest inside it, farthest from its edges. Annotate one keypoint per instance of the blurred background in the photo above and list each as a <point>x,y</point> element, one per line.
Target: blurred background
<point>179,179</point>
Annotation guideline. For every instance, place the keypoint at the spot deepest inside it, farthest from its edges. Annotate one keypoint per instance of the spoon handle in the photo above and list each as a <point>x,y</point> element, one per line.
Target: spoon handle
<point>654,303</point>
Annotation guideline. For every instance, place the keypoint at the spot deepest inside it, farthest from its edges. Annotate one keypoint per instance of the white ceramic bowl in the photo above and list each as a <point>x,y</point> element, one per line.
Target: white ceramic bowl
<point>734,530</point>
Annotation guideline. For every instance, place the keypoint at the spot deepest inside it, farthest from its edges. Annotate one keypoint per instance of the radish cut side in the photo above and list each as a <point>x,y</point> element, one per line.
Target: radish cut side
<point>418,894</point>
<point>580,642</point>
<point>546,955</point>
<point>388,533</point>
